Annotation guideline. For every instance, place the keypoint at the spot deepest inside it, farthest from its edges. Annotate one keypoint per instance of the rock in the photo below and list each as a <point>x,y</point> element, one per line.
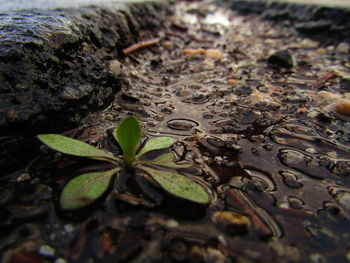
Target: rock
<point>281,59</point>
<point>345,84</point>
<point>313,27</point>
<point>231,223</point>
<point>242,90</point>
<point>47,251</point>
<point>343,107</point>
<point>54,63</point>
<point>343,48</point>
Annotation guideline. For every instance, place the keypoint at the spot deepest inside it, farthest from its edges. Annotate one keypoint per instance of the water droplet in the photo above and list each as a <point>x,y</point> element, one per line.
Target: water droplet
<point>268,147</point>
<point>182,92</point>
<point>295,202</point>
<point>303,163</point>
<point>197,99</point>
<point>263,122</point>
<point>216,142</point>
<point>158,117</point>
<point>150,124</point>
<point>167,111</point>
<point>291,157</point>
<point>255,180</point>
<point>181,124</point>
<point>247,116</point>
<point>207,115</point>
<point>290,179</point>
<point>242,90</point>
<point>341,168</point>
<point>255,151</point>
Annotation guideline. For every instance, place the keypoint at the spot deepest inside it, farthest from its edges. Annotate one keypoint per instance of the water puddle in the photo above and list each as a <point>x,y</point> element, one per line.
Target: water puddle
<point>275,161</point>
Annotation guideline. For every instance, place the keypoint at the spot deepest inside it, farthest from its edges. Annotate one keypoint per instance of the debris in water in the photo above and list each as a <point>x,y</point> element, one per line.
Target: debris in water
<point>140,45</point>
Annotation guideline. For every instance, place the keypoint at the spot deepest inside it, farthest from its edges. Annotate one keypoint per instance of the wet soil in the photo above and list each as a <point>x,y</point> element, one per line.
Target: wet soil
<point>270,137</point>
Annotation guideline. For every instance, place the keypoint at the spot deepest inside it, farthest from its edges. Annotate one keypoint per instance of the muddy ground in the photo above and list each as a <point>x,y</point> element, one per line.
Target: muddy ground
<point>262,112</point>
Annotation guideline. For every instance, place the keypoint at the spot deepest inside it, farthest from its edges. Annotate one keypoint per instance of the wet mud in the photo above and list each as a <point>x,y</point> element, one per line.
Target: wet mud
<point>262,112</point>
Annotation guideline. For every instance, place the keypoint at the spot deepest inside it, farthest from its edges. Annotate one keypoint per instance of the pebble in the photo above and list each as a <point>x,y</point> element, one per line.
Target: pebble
<point>343,107</point>
<point>347,256</point>
<point>214,54</point>
<point>116,67</point>
<point>23,177</point>
<point>343,48</point>
<point>46,251</point>
<point>281,59</point>
<point>345,86</point>
<point>233,82</point>
<point>311,150</point>
<point>336,102</point>
<point>242,90</point>
<point>69,228</point>
<point>233,223</point>
<point>60,260</point>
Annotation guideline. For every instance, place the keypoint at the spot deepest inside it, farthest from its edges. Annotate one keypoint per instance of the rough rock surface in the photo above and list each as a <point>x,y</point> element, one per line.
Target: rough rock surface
<point>316,21</point>
<point>53,62</point>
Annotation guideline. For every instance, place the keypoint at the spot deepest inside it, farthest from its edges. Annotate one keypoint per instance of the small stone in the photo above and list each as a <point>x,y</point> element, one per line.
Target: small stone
<point>347,256</point>
<point>317,258</point>
<point>237,148</point>
<point>344,199</point>
<point>310,150</point>
<point>23,177</point>
<point>284,205</point>
<point>46,251</point>
<point>231,222</point>
<point>295,203</point>
<point>69,228</point>
<point>233,82</point>
<point>345,84</point>
<point>242,90</point>
<point>215,255</point>
<point>321,51</point>
<point>116,67</point>
<point>281,59</point>
<point>343,107</point>
<point>214,54</point>
<point>60,260</point>
<point>171,223</point>
<point>332,154</point>
<point>208,65</point>
<point>313,27</point>
<point>343,48</point>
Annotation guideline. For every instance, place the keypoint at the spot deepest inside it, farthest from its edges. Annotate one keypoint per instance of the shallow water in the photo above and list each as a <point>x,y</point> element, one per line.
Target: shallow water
<point>275,157</point>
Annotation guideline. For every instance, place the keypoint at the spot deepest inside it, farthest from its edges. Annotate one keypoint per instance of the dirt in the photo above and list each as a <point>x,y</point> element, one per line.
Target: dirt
<point>269,136</point>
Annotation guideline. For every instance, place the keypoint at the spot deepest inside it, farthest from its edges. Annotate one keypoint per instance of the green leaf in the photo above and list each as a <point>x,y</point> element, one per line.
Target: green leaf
<point>156,144</point>
<point>128,135</point>
<point>178,185</point>
<point>167,160</point>
<point>73,147</point>
<point>85,189</point>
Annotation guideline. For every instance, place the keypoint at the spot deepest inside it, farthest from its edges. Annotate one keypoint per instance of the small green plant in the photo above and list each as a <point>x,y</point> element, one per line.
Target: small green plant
<point>153,164</point>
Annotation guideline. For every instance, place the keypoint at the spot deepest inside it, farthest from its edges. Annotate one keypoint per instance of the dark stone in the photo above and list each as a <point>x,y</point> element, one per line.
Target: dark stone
<point>344,84</point>
<point>52,62</point>
<point>53,69</point>
<point>313,27</point>
<point>242,90</point>
<point>281,59</point>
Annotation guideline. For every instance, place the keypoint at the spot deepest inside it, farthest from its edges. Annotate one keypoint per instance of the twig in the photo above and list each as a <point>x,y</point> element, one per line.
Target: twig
<point>140,45</point>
